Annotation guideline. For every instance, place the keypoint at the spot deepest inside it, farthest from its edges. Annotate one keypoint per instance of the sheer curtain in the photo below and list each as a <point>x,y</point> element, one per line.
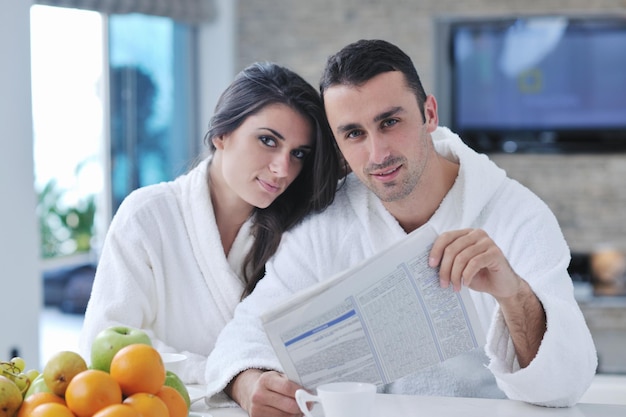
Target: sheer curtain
<point>185,11</point>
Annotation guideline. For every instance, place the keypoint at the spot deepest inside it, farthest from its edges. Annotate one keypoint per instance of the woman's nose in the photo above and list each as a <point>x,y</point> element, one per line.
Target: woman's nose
<point>280,164</point>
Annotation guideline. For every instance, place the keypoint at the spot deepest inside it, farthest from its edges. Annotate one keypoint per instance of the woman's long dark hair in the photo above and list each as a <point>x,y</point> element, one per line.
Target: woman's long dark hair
<point>256,87</point>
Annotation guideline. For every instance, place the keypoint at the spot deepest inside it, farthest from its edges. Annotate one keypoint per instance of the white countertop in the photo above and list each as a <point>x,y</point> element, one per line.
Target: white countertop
<point>418,406</point>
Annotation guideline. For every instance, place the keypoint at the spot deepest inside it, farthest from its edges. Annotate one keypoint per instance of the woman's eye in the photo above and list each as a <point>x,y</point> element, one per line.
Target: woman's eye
<point>299,154</point>
<point>268,140</point>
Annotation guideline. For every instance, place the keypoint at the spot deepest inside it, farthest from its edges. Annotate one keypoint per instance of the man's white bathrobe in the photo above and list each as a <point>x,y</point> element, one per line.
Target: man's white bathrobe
<point>357,226</point>
<point>163,270</point>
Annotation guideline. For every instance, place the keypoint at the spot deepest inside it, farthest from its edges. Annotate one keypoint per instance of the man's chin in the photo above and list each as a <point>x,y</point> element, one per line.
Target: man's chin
<point>389,193</point>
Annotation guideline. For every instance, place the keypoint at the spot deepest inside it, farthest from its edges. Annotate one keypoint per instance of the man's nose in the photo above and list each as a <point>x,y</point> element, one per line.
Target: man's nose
<point>379,149</point>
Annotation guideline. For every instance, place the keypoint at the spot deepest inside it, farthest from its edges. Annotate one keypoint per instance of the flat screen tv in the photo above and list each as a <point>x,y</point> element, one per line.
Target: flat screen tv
<point>540,84</point>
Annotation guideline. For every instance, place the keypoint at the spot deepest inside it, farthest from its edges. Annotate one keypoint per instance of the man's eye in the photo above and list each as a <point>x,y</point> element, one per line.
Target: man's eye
<point>354,134</point>
<point>268,140</point>
<point>389,122</point>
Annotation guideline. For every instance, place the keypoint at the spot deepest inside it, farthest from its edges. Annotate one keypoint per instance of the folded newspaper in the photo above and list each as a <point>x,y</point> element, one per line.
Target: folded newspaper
<point>384,319</point>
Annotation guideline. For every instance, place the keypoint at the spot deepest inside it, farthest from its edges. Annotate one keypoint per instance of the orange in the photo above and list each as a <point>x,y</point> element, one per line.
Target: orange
<point>90,391</point>
<point>117,410</point>
<point>51,410</point>
<point>138,368</point>
<point>148,405</point>
<point>174,401</point>
<point>38,398</point>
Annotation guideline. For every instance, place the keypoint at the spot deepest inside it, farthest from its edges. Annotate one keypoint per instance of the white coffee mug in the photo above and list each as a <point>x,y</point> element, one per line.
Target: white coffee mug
<point>340,399</point>
<point>174,362</point>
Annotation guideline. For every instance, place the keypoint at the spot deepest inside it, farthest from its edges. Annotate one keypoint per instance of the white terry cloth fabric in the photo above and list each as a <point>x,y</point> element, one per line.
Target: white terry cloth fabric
<point>357,226</point>
<point>163,270</point>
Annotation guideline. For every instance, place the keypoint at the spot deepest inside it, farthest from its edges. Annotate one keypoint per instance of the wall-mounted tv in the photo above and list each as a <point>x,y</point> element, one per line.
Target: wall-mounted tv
<point>539,84</point>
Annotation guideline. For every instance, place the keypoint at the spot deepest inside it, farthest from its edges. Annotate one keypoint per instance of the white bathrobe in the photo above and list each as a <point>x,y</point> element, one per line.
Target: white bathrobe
<point>357,226</point>
<point>163,270</point>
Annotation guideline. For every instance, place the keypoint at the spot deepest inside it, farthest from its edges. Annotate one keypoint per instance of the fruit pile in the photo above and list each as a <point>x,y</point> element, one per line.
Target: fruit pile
<point>127,378</point>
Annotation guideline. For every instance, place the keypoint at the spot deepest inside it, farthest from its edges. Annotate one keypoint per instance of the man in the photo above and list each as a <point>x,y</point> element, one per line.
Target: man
<point>495,237</point>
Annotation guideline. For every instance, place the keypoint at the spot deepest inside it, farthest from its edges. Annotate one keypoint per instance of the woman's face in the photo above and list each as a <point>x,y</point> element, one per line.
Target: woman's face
<point>263,156</point>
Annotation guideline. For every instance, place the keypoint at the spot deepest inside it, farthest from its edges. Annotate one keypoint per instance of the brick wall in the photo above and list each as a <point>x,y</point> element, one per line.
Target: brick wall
<point>586,192</point>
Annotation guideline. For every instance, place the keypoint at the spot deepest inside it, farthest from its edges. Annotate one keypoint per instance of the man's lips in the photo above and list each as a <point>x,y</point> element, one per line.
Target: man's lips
<point>383,174</point>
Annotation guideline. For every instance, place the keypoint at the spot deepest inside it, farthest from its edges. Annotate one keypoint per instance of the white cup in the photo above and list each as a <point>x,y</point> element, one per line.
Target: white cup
<point>340,399</point>
<point>173,361</point>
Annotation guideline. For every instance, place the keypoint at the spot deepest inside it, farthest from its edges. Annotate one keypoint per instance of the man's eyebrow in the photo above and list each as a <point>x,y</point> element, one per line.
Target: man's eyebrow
<point>388,113</point>
<point>348,127</point>
<point>380,117</point>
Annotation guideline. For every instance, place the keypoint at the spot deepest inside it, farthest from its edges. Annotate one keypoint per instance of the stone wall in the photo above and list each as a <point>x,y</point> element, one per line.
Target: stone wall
<point>586,192</point>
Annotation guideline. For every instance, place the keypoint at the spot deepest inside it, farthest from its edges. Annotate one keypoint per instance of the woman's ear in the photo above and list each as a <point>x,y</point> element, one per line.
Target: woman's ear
<point>218,142</point>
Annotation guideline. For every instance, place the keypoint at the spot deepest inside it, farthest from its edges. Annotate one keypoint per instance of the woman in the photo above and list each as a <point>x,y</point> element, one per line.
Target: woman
<point>180,255</point>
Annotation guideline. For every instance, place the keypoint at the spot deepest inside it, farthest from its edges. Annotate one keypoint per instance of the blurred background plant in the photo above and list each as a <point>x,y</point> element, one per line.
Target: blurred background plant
<point>66,219</point>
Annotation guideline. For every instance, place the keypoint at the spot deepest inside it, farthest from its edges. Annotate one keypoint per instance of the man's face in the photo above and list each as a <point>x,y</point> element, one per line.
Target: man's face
<point>380,131</point>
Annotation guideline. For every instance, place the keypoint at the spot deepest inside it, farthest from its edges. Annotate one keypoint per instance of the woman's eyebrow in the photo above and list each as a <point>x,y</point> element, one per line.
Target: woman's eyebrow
<point>274,132</point>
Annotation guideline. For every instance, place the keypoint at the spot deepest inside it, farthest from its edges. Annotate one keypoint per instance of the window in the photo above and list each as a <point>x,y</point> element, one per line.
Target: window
<point>68,114</point>
<point>151,105</point>
<point>113,110</point>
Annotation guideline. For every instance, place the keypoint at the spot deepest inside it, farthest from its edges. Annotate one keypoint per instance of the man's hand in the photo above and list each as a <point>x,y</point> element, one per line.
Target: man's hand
<point>264,393</point>
<point>469,257</point>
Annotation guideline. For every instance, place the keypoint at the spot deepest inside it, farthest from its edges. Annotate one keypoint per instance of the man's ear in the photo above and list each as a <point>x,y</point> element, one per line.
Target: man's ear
<point>430,113</point>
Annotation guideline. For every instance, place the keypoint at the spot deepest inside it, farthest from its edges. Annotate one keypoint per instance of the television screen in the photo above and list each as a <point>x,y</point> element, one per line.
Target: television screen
<point>551,76</point>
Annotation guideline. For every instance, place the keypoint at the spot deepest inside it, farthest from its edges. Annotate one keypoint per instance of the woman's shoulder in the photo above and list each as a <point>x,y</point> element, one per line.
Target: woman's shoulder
<point>142,209</point>
<point>163,193</point>
<point>147,196</point>
<point>150,203</point>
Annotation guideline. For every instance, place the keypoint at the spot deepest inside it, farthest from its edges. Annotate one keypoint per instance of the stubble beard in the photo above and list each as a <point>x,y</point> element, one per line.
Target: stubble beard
<point>396,190</point>
<point>406,184</point>
<point>391,191</point>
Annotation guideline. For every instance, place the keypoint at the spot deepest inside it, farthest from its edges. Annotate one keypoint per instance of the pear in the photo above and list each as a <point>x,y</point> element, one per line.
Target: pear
<point>10,397</point>
<point>61,368</point>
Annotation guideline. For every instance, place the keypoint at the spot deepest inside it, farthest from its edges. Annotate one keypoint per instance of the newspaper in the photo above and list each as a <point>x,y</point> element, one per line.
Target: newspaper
<point>384,319</point>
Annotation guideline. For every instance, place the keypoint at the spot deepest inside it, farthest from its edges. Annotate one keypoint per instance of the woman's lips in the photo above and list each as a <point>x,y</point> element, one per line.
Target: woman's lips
<point>268,186</point>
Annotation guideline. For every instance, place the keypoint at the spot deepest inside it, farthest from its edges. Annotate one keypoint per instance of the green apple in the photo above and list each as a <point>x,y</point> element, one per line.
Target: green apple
<point>61,368</point>
<point>10,397</point>
<point>37,385</point>
<point>110,340</point>
<point>172,380</point>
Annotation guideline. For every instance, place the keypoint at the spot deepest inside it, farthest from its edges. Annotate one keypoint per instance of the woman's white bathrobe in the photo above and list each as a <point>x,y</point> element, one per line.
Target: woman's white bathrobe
<point>357,226</point>
<point>163,270</point>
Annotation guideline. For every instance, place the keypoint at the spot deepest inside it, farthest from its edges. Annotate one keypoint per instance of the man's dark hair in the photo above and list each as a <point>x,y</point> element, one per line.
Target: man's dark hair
<point>361,61</point>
